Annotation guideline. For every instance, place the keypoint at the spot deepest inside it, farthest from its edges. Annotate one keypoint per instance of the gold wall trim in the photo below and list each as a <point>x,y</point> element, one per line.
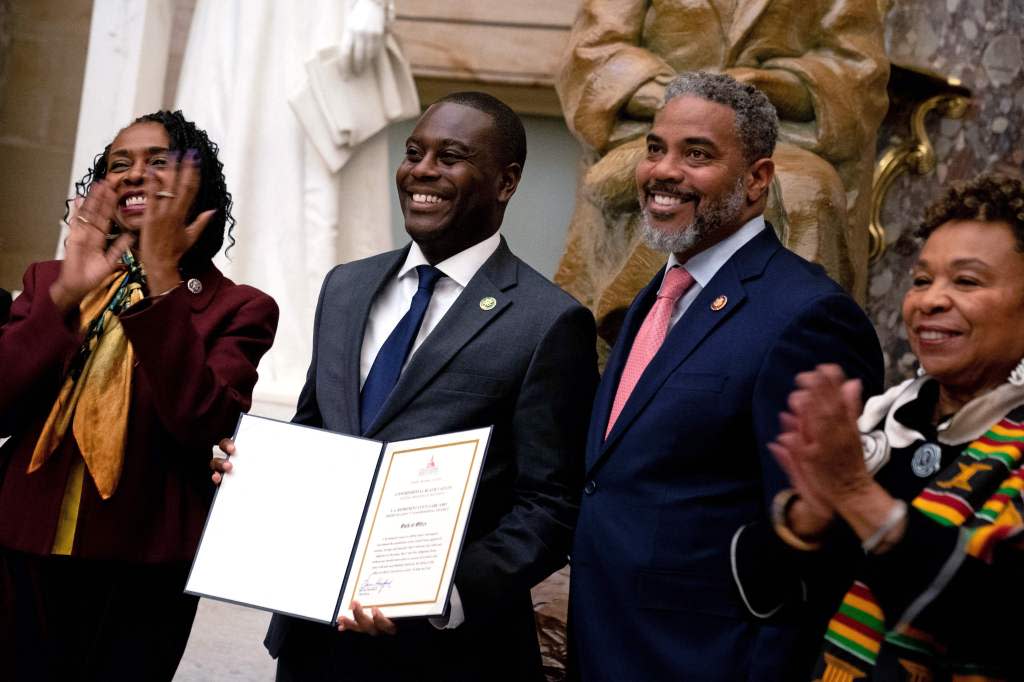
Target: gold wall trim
<point>915,155</point>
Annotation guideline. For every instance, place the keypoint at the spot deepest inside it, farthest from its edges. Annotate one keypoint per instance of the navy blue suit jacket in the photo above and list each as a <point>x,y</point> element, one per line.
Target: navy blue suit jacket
<point>664,586</point>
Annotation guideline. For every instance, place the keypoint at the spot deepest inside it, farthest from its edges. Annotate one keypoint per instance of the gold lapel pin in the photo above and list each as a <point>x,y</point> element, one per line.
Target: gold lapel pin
<point>719,302</point>
<point>488,303</point>
<point>195,286</point>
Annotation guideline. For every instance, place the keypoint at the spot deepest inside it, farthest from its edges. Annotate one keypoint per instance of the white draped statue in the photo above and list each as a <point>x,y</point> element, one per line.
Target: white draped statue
<point>297,95</point>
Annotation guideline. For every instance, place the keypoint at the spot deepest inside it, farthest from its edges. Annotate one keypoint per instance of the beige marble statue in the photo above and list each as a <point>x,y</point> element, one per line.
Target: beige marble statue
<point>312,184</point>
<point>821,62</point>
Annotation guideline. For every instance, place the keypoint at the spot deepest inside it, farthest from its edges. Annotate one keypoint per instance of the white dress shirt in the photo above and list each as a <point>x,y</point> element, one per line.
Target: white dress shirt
<point>703,266</point>
<point>393,302</point>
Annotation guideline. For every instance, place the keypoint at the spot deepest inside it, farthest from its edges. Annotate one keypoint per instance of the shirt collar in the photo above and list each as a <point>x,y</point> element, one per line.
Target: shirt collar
<point>461,267</point>
<point>703,266</point>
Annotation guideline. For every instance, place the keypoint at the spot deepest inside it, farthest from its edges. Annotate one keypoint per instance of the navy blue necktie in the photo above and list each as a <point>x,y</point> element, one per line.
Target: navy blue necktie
<point>387,366</point>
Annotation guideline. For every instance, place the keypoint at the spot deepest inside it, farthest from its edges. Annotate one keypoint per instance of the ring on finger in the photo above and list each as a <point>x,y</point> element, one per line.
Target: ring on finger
<point>79,216</point>
<point>166,194</point>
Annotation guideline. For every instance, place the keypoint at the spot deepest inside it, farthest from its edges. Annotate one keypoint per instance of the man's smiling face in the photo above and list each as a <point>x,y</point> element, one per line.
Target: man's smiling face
<point>452,184</point>
<point>693,182</point>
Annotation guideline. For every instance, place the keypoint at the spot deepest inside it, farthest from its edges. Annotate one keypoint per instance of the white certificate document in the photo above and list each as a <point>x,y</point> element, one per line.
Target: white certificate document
<point>309,519</point>
<point>406,555</point>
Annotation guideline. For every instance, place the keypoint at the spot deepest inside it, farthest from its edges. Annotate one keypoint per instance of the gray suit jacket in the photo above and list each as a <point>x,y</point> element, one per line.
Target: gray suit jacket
<point>528,367</point>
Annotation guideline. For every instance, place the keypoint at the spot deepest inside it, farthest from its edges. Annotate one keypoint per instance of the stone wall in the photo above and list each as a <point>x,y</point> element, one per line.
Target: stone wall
<point>42,59</point>
<point>980,43</point>
<point>5,41</point>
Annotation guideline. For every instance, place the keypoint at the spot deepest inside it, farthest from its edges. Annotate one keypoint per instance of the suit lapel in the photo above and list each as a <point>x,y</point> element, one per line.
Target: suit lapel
<point>695,325</point>
<point>459,326</point>
<point>698,321</point>
<point>357,304</point>
<point>616,362</point>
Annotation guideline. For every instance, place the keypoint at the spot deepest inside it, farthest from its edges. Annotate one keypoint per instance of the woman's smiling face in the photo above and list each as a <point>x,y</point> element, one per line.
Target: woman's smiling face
<point>137,150</point>
<point>964,312</point>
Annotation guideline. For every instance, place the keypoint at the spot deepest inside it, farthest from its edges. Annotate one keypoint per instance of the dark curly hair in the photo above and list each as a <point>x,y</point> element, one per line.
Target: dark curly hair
<point>989,197</point>
<point>757,122</point>
<point>213,192</point>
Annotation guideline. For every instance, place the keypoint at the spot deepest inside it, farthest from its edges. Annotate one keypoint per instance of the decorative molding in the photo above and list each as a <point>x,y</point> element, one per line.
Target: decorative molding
<point>524,99</point>
<point>916,154</point>
<point>511,50</point>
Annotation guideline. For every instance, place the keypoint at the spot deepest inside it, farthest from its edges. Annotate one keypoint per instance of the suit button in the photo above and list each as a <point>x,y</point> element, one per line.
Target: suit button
<point>591,487</point>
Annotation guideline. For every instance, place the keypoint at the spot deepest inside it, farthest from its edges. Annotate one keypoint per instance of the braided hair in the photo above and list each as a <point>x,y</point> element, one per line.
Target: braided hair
<point>212,193</point>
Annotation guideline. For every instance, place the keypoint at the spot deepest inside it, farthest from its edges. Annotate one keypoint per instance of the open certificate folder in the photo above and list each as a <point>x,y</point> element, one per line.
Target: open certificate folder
<point>309,520</point>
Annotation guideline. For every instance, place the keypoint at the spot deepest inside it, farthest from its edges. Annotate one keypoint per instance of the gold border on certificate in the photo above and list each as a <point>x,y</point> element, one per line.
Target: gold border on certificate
<point>451,540</point>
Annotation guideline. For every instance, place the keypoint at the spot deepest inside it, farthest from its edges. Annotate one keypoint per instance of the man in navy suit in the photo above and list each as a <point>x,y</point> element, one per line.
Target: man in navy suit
<point>495,344</point>
<point>676,572</point>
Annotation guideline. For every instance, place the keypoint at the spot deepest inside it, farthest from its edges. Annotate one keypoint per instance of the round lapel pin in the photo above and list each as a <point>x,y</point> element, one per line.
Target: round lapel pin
<point>719,302</point>
<point>195,286</point>
<point>488,303</point>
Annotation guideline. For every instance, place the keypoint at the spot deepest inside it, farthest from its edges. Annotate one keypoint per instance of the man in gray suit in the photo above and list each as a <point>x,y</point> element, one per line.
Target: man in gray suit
<point>454,332</point>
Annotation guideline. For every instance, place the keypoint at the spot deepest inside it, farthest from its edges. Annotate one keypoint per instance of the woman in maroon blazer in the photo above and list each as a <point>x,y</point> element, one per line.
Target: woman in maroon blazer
<point>119,367</point>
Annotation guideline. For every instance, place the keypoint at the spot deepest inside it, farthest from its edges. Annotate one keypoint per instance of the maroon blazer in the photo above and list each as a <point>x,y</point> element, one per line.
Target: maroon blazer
<point>195,368</point>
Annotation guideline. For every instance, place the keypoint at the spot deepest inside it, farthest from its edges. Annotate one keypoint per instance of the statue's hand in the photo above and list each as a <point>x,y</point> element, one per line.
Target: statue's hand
<point>785,90</point>
<point>364,35</point>
<point>645,101</point>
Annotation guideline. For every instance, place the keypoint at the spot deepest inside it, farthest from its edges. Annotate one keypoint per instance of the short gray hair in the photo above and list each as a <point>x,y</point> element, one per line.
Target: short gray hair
<point>757,123</point>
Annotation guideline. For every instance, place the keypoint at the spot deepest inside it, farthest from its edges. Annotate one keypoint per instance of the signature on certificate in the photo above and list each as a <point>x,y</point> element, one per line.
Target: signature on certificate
<point>374,584</point>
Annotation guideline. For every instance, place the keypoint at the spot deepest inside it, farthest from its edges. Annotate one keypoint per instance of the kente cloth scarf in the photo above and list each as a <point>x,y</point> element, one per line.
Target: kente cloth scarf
<point>96,393</point>
<point>979,493</point>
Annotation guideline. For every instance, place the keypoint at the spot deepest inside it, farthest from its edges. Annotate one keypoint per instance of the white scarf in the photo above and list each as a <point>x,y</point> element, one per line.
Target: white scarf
<point>967,424</point>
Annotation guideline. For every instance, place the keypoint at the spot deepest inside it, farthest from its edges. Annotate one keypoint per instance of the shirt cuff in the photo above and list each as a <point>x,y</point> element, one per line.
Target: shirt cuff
<point>456,616</point>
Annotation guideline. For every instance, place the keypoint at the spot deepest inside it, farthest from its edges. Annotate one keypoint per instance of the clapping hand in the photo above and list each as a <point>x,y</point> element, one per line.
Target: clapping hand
<point>819,447</point>
<point>165,237</point>
<point>821,451</point>
<point>89,257</point>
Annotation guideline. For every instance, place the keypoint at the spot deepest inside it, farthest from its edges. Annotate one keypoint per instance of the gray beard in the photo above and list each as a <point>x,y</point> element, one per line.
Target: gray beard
<point>709,219</point>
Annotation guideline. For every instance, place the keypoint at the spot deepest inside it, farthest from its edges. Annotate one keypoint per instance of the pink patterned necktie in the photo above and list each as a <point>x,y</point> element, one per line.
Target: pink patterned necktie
<point>649,338</point>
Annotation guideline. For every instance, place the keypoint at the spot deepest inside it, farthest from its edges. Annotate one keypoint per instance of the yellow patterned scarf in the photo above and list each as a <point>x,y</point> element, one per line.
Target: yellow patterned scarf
<point>96,394</point>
